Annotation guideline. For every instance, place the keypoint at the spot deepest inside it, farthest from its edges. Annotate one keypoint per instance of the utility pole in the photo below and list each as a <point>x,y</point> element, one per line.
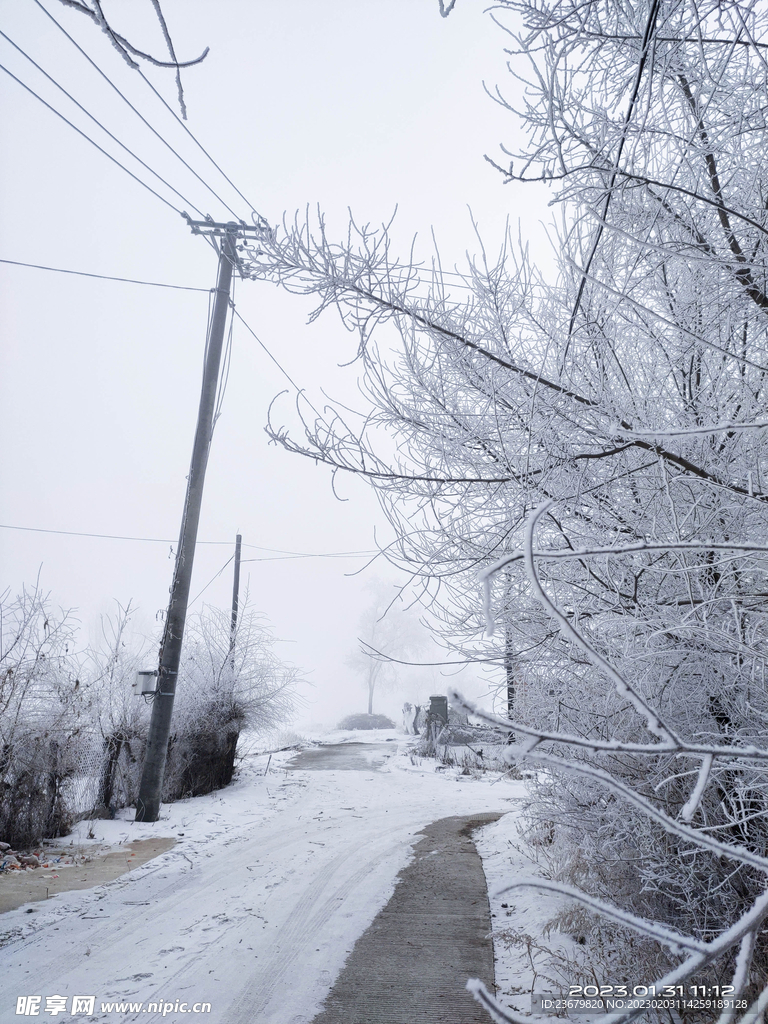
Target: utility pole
<point>150,790</point>
<point>510,659</point>
<point>509,671</point>
<point>235,600</point>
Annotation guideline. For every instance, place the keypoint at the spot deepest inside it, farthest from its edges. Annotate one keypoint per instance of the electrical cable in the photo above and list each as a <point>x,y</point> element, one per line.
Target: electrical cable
<point>104,536</point>
<point>133,108</point>
<point>277,364</point>
<point>106,277</point>
<point>199,144</point>
<point>208,331</point>
<point>165,540</point>
<point>109,277</point>
<point>442,273</point>
<point>98,122</point>
<point>227,361</point>
<point>89,139</point>
<point>221,570</point>
<point>332,554</point>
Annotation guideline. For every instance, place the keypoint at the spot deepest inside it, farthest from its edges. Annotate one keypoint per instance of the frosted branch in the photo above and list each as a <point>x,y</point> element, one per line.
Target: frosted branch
<point>754,1014</point>
<point>715,428</point>
<point>675,940</point>
<point>746,924</point>
<point>637,547</point>
<point>691,835</point>
<point>740,974</point>
<point>596,746</point>
<point>653,720</point>
<point>692,803</point>
<point>498,1013</point>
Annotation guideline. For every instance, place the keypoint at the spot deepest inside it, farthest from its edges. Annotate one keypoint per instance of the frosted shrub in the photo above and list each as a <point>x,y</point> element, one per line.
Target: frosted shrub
<point>120,715</point>
<point>42,718</point>
<point>368,721</point>
<point>227,684</point>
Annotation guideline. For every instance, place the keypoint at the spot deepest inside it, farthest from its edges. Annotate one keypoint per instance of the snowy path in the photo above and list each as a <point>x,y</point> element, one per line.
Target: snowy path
<point>256,908</point>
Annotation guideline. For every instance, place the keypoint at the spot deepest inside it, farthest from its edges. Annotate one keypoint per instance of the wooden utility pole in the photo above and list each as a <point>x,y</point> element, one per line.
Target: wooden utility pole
<point>510,658</point>
<point>509,670</point>
<point>235,600</point>
<point>148,803</point>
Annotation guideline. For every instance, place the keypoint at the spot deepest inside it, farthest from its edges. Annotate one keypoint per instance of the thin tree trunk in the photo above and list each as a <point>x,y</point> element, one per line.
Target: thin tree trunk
<point>112,747</point>
<point>509,669</point>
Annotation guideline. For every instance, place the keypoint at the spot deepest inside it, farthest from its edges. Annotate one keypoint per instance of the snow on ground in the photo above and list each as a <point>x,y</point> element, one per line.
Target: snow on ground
<point>256,907</point>
<point>360,736</point>
<point>259,903</point>
<point>528,956</point>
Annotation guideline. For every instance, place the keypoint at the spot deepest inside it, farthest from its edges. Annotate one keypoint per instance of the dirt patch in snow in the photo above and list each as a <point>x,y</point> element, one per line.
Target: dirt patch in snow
<point>101,864</point>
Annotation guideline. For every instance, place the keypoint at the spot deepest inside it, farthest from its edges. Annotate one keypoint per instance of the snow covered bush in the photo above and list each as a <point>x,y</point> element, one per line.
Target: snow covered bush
<point>366,722</point>
<point>111,665</point>
<point>73,732</point>
<point>228,683</point>
<point>43,718</point>
<point>664,812</point>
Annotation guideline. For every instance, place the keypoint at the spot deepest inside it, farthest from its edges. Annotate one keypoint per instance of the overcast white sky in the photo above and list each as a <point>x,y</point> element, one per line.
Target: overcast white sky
<point>342,104</point>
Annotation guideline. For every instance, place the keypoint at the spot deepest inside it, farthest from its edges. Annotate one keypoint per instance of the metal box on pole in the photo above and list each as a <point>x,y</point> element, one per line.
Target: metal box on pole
<point>145,682</point>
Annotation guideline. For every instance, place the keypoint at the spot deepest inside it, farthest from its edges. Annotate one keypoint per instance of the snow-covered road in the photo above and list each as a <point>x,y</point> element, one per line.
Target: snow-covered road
<point>253,911</point>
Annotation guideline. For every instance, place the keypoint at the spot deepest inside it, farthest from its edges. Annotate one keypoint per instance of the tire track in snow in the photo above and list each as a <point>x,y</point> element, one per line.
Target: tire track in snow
<point>298,931</point>
<point>243,926</point>
<point>306,921</point>
<point>124,923</point>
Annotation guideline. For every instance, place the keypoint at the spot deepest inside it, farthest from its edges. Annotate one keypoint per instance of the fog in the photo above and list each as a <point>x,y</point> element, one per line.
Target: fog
<point>342,106</point>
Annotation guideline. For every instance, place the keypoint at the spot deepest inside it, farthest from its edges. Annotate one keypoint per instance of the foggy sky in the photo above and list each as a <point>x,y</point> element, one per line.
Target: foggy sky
<point>342,105</point>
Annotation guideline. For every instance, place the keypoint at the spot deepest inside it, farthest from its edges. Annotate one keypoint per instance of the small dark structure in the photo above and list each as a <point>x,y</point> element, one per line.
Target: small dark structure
<point>438,709</point>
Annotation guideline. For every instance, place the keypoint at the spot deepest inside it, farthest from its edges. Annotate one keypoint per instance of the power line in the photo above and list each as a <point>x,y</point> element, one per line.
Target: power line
<point>277,364</point>
<point>96,121</point>
<point>274,559</point>
<point>92,142</point>
<point>198,144</point>
<point>305,554</point>
<point>224,376</point>
<point>106,277</point>
<point>133,108</point>
<point>104,536</point>
<point>210,581</point>
<point>150,284</point>
<point>166,540</point>
<point>330,554</point>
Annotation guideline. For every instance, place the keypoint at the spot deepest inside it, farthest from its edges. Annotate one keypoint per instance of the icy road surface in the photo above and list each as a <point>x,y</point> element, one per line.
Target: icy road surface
<point>257,906</point>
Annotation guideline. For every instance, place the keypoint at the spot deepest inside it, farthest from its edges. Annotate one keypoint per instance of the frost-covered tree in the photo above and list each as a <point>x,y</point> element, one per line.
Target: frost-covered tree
<point>619,413</point>
<point>111,663</point>
<point>231,681</point>
<point>389,635</point>
<point>43,715</point>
